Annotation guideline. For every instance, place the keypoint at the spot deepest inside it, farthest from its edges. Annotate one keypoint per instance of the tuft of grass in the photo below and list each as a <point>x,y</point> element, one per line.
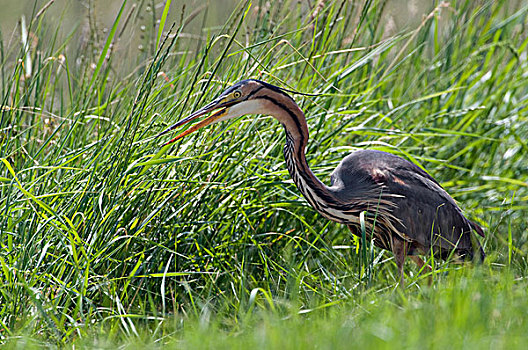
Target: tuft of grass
<point>107,239</point>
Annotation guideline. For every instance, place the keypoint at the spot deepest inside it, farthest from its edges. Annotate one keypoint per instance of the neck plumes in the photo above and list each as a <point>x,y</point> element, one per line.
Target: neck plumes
<point>294,122</point>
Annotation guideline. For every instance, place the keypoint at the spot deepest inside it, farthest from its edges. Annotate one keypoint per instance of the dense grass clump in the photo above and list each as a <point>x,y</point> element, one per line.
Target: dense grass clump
<point>107,238</point>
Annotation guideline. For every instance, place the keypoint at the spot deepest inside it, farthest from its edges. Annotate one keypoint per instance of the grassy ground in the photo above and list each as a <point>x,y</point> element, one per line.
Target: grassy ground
<point>108,239</point>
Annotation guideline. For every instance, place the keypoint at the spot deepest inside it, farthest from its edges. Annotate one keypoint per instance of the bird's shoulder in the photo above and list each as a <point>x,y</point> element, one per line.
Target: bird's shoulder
<point>366,169</point>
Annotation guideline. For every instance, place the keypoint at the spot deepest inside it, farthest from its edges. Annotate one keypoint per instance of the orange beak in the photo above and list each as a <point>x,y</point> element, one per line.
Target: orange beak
<point>207,121</point>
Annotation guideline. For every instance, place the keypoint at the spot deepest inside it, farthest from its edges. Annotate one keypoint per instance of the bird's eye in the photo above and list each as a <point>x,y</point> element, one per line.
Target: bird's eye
<point>237,94</point>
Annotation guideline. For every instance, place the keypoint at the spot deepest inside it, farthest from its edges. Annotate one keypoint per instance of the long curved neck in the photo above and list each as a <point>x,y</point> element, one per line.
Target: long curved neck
<point>294,122</point>
<point>315,192</point>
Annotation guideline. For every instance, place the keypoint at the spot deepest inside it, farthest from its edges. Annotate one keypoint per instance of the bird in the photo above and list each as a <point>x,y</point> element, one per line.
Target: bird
<point>405,210</point>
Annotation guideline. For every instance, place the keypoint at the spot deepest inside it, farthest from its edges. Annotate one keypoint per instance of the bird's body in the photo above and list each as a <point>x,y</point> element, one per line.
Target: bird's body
<point>423,214</point>
<point>406,210</point>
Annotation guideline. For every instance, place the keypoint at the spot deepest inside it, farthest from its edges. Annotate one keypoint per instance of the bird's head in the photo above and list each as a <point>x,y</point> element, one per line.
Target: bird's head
<point>245,97</point>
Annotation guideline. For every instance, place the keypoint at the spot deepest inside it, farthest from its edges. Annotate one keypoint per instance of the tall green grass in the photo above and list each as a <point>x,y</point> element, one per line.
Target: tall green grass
<point>107,238</point>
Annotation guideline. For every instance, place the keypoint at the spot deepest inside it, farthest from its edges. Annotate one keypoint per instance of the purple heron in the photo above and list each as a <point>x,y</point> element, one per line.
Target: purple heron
<point>407,211</point>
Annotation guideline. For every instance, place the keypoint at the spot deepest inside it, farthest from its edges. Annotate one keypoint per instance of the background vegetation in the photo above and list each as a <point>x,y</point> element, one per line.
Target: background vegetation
<point>108,239</point>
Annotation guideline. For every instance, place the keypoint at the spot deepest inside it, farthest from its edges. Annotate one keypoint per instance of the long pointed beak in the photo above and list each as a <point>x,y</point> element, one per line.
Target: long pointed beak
<point>209,120</point>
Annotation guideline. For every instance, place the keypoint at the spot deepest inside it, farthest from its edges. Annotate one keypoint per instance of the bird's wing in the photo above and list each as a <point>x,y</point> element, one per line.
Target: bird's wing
<point>428,214</point>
